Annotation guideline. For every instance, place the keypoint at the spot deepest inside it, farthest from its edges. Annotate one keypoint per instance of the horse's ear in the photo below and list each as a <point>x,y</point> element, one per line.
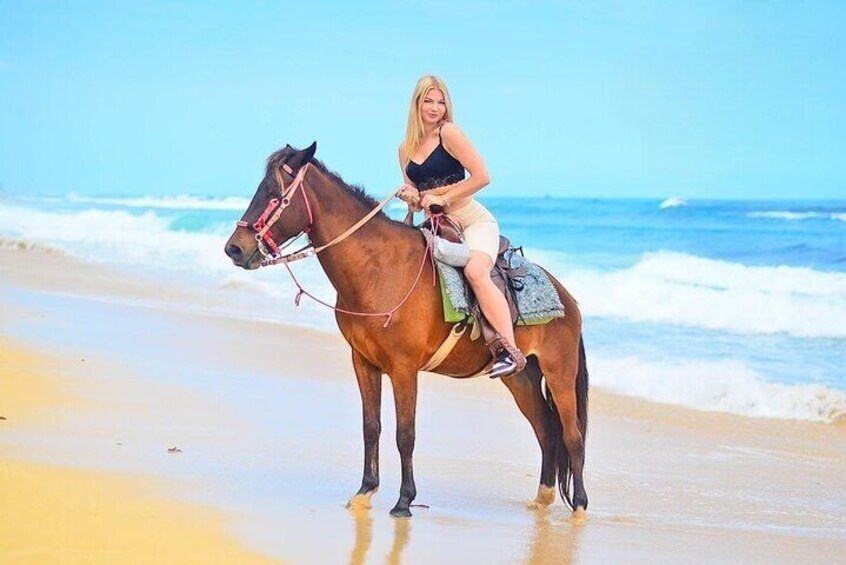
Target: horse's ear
<point>301,158</point>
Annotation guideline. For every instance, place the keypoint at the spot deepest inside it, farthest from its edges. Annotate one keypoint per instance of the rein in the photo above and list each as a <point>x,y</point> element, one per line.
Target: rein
<point>273,212</point>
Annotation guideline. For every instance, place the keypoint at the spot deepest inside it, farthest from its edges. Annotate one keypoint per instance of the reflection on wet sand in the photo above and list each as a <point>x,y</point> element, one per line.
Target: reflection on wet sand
<point>554,542</point>
<point>402,530</point>
<point>364,537</point>
<point>363,534</point>
<point>549,541</point>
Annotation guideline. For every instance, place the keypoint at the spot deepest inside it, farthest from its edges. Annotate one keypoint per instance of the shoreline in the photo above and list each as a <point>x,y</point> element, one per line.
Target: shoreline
<point>712,382</point>
<point>664,481</point>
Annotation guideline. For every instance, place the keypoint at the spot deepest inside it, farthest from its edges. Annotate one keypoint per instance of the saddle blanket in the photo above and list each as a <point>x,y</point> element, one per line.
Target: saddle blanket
<point>537,301</point>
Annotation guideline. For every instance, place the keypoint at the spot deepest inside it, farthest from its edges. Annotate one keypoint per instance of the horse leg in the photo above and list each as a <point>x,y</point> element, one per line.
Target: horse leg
<point>526,389</point>
<point>561,376</point>
<point>405,400</point>
<point>370,386</point>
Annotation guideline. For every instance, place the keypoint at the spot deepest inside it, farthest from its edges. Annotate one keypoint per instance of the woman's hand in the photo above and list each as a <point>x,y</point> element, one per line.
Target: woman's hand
<point>409,194</point>
<point>430,200</point>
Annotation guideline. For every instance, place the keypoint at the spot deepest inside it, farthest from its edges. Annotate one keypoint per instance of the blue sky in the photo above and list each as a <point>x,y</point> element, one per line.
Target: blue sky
<point>613,99</point>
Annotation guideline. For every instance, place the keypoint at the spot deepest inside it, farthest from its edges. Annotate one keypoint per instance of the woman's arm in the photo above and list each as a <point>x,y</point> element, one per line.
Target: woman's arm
<point>457,144</point>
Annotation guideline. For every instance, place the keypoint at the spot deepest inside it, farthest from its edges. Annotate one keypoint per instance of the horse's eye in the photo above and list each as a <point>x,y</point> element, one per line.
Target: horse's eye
<point>272,189</point>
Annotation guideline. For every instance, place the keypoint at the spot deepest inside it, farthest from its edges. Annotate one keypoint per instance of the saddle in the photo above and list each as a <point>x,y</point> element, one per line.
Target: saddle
<point>507,278</point>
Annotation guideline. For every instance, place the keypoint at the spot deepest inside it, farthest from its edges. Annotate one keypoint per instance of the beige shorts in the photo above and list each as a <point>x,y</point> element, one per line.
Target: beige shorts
<point>481,231</point>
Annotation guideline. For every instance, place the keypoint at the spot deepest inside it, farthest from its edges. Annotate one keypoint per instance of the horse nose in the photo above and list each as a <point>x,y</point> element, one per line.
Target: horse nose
<point>234,251</point>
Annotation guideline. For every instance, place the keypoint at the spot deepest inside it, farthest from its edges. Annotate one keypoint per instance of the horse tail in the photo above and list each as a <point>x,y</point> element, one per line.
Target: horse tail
<point>565,471</point>
<point>582,391</point>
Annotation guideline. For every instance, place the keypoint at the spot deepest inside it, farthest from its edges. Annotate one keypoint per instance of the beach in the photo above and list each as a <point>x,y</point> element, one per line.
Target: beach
<point>248,433</point>
<point>677,168</point>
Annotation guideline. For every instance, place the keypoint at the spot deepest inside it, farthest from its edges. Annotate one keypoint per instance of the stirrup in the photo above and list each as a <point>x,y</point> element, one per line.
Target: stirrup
<point>510,360</point>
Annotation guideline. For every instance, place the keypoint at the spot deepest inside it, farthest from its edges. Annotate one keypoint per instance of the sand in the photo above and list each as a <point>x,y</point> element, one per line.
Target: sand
<point>268,420</point>
<point>53,514</point>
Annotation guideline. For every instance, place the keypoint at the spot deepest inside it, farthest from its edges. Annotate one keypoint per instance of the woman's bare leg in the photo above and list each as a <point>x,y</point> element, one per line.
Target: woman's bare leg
<point>491,300</point>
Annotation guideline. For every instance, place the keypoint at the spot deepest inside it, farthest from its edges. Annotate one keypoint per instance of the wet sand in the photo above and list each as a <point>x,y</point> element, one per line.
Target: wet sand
<point>268,420</point>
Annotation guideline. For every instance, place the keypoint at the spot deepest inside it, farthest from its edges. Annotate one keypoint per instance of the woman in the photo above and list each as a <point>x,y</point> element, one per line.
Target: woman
<point>433,159</point>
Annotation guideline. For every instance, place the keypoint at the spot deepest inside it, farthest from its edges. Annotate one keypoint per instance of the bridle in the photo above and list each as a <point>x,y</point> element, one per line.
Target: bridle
<point>272,213</point>
<point>274,256</point>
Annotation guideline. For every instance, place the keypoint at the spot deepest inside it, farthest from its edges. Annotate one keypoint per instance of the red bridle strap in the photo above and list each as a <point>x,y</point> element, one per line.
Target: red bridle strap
<point>276,206</point>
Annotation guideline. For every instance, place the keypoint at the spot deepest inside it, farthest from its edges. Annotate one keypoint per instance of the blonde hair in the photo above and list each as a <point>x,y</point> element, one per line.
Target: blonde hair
<point>414,130</point>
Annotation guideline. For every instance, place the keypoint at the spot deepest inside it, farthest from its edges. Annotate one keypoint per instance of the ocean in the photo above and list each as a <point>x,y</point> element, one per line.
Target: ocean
<point>733,306</point>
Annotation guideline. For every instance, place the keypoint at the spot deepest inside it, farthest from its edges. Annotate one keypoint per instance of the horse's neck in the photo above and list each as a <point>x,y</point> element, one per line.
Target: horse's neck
<point>353,265</point>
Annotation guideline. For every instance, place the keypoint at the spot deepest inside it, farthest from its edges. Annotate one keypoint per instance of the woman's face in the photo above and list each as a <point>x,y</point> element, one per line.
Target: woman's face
<point>433,107</point>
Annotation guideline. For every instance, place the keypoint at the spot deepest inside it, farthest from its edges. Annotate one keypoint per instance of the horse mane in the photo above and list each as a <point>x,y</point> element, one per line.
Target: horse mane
<point>278,157</point>
<point>358,192</point>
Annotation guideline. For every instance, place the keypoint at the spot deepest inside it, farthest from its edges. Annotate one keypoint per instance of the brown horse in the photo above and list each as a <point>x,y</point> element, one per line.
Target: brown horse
<point>372,270</point>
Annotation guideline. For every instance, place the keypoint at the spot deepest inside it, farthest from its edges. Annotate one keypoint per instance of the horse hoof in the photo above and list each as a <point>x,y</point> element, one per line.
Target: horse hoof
<point>579,515</point>
<point>545,497</point>
<point>360,502</point>
<point>401,513</point>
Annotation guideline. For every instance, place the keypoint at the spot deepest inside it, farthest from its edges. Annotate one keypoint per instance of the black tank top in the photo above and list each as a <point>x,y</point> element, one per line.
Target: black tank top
<point>439,169</point>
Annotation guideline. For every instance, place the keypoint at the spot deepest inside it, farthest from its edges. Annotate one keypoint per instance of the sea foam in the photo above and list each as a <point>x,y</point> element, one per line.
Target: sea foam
<point>793,216</point>
<point>677,288</point>
<point>115,236</point>
<point>148,241</point>
<point>182,202</point>
<point>721,386</point>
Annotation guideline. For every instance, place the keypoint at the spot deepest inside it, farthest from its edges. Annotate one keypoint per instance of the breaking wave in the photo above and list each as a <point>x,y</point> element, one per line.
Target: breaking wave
<point>720,386</point>
<point>686,290</point>
<point>672,202</point>
<point>182,202</point>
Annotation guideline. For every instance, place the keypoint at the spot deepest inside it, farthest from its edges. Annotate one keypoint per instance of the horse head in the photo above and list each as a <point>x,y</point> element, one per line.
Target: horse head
<point>276,213</point>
